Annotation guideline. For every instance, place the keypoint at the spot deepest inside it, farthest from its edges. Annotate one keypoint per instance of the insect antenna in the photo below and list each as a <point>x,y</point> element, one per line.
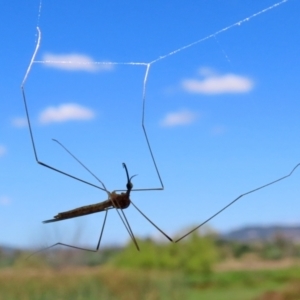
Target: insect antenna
<point>129,188</point>
<point>147,141</point>
<point>236,199</point>
<point>124,219</point>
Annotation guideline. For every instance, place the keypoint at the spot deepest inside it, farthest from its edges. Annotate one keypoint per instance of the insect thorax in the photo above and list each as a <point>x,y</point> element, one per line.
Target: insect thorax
<point>119,200</point>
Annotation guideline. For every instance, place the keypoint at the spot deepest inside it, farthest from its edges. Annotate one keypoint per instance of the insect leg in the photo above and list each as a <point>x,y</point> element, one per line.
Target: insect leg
<point>75,247</point>
<point>35,152</point>
<point>127,226</point>
<point>98,245</point>
<point>151,222</point>
<point>236,199</point>
<point>104,188</point>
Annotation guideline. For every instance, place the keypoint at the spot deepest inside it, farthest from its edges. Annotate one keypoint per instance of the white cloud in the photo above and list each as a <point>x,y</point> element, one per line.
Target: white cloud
<point>19,122</point>
<point>64,113</point>
<point>75,62</point>
<point>2,150</point>
<point>4,200</point>
<point>183,117</point>
<point>213,83</point>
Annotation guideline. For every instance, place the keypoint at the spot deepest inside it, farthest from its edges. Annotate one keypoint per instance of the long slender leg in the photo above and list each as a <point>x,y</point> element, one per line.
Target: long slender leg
<point>236,199</point>
<point>151,222</point>
<point>145,132</point>
<point>104,187</point>
<point>130,230</point>
<point>75,247</point>
<point>35,152</point>
<point>126,224</point>
<point>100,237</point>
<point>147,139</point>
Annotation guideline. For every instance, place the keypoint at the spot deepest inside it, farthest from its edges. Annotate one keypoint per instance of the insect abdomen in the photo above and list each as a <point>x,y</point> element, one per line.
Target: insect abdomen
<point>84,210</point>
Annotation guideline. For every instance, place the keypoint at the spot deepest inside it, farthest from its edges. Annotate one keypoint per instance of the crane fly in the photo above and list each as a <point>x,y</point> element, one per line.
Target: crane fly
<point>118,201</point>
<point>115,200</point>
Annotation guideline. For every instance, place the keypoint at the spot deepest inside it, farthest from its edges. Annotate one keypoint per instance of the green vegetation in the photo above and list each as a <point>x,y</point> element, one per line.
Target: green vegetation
<point>199,267</point>
<point>88,283</point>
<point>197,254</point>
<point>115,283</point>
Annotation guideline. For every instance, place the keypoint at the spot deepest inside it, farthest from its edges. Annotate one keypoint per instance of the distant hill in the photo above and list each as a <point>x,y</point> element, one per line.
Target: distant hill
<point>245,234</point>
<point>7,250</point>
<point>263,233</point>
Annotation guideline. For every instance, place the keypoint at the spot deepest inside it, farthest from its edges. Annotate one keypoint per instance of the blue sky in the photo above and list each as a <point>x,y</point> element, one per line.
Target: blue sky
<point>222,115</point>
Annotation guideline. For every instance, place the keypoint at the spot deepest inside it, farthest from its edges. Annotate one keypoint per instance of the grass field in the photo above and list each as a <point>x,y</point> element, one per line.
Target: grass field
<point>114,283</point>
<point>197,269</point>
